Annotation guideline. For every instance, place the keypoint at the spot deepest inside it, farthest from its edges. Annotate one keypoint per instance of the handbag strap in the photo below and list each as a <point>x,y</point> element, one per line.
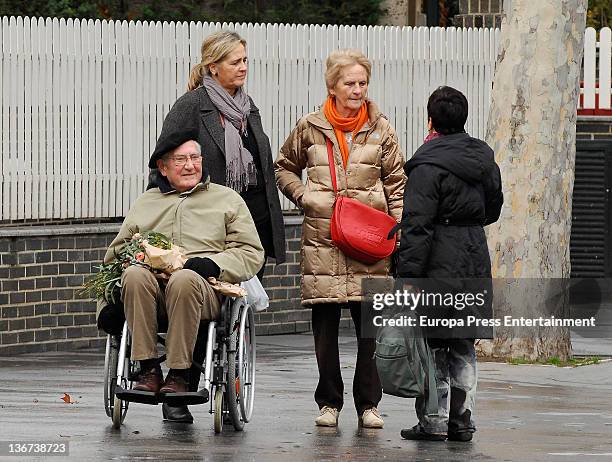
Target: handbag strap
<point>332,165</point>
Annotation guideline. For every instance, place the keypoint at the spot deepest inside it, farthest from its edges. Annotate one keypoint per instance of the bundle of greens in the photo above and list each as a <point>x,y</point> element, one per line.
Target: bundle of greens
<point>151,250</point>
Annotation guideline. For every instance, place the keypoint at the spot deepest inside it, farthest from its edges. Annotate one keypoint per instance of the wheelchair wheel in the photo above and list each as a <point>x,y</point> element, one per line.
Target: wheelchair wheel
<point>218,414</point>
<point>118,415</point>
<point>116,408</point>
<point>246,364</point>
<point>120,407</point>
<point>233,373</point>
<point>110,373</point>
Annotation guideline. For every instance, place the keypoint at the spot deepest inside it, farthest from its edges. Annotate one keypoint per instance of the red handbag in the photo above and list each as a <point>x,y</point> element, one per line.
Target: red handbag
<point>358,230</point>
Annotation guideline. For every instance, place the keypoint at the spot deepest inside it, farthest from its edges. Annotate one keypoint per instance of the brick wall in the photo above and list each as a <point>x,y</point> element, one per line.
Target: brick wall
<point>282,283</point>
<point>479,13</point>
<point>42,269</point>
<point>40,272</point>
<point>594,128</point>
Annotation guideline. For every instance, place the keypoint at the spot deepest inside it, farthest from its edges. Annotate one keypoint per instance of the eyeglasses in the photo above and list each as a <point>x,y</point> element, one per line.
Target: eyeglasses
<point>180,160</point>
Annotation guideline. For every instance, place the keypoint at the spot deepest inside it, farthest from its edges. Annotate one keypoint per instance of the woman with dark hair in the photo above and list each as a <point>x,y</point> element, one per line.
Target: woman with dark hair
<point>236,152</point>
<point>453,190</point>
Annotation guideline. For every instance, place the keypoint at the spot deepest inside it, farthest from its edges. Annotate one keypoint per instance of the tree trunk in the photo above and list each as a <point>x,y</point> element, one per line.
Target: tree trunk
<point>401,13</point>
<point>532,129</point>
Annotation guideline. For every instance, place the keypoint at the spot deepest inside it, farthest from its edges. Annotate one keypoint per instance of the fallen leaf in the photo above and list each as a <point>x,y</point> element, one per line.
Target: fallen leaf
<point>67,399</point>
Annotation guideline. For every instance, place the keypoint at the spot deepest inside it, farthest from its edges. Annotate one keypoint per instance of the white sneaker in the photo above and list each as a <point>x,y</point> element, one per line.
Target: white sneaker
<point>328,417</point>
<point>371,419</point>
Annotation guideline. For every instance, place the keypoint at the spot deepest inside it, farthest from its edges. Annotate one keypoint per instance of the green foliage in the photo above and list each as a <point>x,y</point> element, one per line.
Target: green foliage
<point>49,8</point>
<point>162,10</point>
<point>599,14</point>
<point>357,12</point>
<point>555,361</point>
<point>106,283</point>
<point>87,9</point>
<point>158,240</point>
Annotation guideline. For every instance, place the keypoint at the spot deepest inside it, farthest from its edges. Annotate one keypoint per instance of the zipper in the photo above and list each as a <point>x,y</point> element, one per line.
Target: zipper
<point>178,223</point>
<point>352,141</point>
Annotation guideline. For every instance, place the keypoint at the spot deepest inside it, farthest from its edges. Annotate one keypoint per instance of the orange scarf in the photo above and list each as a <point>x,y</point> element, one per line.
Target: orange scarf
<point>342,124</point>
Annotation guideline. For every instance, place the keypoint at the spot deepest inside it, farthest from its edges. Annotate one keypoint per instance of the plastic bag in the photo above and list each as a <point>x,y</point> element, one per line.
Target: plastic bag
<point>256,294</point>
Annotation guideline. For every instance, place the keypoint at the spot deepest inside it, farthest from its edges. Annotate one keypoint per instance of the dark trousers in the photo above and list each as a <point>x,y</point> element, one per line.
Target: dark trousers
<point>199,354</point>
<point>367,390</point>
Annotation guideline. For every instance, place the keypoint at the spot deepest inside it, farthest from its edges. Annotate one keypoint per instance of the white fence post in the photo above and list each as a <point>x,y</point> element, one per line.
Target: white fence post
<point>596,85</point>
<point>605,74</point>
<point>589,67</point>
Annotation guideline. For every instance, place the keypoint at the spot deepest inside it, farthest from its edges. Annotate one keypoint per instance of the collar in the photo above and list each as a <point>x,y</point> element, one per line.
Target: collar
<point>319,120</point>
<point>166,188</point>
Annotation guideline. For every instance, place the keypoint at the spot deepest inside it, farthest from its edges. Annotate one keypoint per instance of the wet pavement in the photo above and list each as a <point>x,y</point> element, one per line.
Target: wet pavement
<point>523,413</point>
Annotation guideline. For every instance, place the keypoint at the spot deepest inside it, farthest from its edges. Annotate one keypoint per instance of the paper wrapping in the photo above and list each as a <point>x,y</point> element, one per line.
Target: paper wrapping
<point>167,261</point>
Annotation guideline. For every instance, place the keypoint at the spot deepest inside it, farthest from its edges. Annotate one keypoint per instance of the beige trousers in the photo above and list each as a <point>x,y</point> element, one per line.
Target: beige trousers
<point>186,300</point>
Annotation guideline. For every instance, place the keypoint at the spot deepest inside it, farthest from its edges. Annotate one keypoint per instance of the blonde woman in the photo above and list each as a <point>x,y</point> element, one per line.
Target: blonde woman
<point>368,162</point>
<point>235,149</point>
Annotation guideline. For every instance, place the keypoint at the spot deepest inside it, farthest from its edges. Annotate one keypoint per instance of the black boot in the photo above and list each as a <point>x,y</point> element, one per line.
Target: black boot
<point>417,433</point>
<point>460,427</point>
<point>176,414</point>
<point>460,436</point>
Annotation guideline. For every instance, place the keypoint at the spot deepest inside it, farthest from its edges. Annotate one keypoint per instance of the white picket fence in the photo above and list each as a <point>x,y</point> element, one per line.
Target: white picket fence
<point>82,102</point>
<point>595,90</point>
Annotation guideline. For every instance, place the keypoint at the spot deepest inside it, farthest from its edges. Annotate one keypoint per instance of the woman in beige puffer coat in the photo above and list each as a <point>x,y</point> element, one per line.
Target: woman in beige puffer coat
<point>368,163</point>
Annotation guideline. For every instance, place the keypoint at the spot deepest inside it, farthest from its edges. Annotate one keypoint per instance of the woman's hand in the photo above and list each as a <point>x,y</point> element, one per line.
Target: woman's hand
<point>300,202</point>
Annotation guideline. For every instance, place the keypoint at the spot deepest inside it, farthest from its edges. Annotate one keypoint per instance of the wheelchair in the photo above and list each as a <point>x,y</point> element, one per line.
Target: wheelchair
<point>228,369</point>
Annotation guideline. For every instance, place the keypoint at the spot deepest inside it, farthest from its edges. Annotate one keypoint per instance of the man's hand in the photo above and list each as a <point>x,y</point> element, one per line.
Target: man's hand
<point>205,267</point>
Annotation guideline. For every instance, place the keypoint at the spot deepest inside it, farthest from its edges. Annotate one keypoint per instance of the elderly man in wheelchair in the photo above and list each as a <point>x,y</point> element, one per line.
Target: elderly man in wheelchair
<point>214,228</point>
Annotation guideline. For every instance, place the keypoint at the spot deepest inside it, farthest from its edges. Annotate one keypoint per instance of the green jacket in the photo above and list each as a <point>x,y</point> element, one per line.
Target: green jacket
<point>208,221</point>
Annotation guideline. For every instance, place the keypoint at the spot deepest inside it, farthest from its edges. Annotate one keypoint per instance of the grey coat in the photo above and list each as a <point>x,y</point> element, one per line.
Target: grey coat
<point>196,105</point>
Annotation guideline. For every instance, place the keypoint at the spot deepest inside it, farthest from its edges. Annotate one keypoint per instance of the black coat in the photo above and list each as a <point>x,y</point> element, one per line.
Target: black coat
<point>196,105</point>
<point>453,190</point>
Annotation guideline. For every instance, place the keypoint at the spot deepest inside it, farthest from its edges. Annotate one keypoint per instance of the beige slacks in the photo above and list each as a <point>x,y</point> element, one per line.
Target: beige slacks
<point>186,300</point>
